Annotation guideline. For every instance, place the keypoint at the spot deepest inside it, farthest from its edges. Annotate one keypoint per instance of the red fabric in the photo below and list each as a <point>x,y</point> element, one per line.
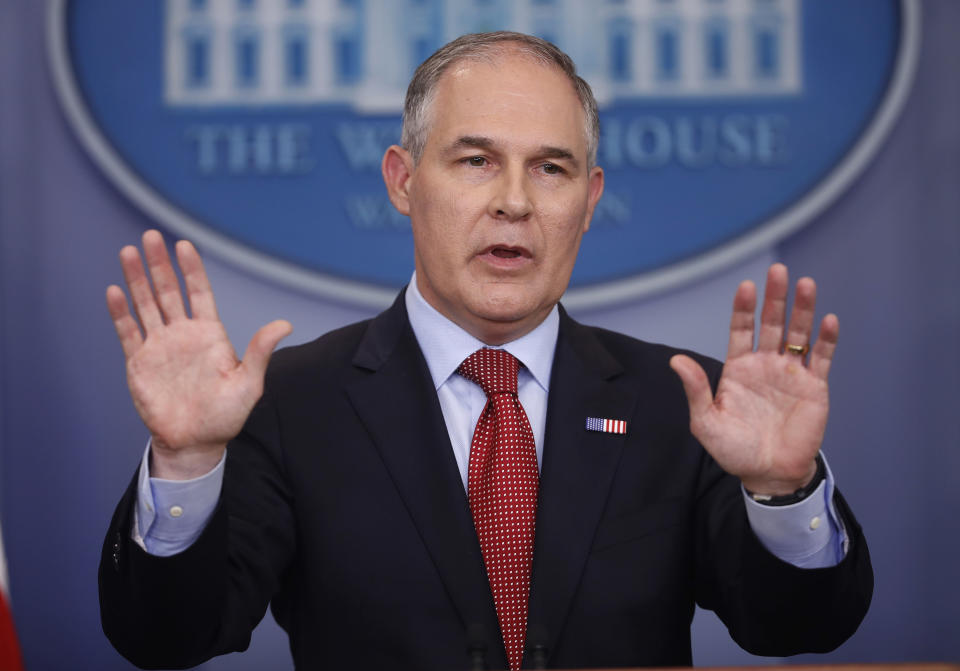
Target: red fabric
<point>502,488</point>
<point>9,648</point>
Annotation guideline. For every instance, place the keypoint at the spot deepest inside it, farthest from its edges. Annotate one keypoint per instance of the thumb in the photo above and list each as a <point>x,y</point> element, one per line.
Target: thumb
<point>261,346</point>
<point>695,384</point>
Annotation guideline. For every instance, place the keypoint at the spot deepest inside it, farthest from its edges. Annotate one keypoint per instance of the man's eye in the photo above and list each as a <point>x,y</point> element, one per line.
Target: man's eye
<point>477,161</point>
<point>552,168</point>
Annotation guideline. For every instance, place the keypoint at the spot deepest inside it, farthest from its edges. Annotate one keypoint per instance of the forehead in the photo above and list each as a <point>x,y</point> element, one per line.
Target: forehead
<point>511,98</point>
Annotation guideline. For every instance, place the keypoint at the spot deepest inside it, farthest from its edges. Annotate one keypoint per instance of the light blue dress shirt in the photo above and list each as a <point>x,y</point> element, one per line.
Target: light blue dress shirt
<point>170,515</point>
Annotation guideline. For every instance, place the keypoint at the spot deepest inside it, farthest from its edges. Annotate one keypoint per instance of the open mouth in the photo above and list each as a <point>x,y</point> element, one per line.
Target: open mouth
<point>506,252</point>
<point>506,258</point>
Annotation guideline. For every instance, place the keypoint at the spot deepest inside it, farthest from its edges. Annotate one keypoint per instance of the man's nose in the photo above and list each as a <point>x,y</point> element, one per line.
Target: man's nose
<point>511,197</point>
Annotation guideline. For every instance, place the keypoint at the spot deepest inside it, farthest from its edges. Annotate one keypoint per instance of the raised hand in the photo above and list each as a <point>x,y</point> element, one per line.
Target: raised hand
<point>186,382</point>
<point>766,423</point>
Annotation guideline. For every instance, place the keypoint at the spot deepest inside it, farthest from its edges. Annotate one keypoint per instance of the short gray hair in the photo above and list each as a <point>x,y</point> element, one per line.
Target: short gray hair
<point>485,47</point>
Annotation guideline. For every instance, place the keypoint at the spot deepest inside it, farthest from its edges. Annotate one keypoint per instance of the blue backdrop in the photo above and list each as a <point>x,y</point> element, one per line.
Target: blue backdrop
<point>886,256</point>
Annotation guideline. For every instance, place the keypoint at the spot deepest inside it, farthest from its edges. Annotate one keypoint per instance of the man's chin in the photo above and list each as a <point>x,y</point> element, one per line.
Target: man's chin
<point>508,317</point>
<point>504,307</point>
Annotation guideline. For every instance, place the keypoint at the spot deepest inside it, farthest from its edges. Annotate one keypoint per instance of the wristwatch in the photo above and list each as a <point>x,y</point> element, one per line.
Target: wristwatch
<point>797,496</point>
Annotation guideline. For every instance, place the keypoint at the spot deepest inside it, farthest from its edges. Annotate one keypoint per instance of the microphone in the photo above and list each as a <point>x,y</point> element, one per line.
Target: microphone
<point>537,649</point>
<point>477,647</point>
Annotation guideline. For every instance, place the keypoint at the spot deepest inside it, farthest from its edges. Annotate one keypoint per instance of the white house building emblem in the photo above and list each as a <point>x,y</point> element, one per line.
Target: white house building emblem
<point>256,127</point>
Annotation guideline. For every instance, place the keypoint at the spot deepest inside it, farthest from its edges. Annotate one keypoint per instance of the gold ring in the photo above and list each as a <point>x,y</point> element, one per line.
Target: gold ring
<point>797,349</point>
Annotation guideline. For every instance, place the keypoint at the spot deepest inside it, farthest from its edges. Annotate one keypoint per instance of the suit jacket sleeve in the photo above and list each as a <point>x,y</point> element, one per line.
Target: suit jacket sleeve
<point>178,611</point>
<point>770,606</point>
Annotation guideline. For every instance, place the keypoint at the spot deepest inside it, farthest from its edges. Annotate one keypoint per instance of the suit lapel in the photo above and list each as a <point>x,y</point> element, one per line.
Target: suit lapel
<point>398,405</point>
<point>577,472</point>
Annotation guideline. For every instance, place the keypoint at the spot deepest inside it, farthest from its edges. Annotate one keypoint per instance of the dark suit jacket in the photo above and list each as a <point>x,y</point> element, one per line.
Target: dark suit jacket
<point>342,503</point>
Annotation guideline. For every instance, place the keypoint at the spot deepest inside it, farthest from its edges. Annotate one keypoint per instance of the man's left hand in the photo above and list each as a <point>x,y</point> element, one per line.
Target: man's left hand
<point>766,423</point>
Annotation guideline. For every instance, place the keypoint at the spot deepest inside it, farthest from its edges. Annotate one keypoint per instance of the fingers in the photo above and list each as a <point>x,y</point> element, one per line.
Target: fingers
<point>127,330</point>
<point>163,303</point>
<point>774,330</point>
<point>822,354</point>
<point>165,285</point>
<point>695,384</point>
<point>262,344</point>
<point>202,304</point>
<point>741,322</point>
<point>801,317</point>
<point>140,292</point>
<point>774,311</point>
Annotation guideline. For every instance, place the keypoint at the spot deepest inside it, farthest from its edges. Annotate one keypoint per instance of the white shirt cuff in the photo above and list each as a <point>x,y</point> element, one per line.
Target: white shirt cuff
<point>171,514</point>
<point>807,534</point>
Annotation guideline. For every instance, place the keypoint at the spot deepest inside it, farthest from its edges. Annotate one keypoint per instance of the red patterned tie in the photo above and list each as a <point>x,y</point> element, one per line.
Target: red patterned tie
<point>502,488</point>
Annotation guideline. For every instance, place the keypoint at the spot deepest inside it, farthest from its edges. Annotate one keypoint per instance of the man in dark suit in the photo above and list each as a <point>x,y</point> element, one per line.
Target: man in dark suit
<point>344,497</point>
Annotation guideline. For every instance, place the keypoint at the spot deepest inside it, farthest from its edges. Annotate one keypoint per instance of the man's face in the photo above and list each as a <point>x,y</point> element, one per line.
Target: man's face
<point>501,196</point>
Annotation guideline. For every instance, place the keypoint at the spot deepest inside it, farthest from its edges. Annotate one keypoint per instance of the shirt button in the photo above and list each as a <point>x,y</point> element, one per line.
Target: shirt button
<point>814,523</point>
<point>177,511</point>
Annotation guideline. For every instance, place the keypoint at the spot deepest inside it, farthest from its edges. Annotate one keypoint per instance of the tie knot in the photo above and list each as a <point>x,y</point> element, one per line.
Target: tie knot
<point>495,370</point>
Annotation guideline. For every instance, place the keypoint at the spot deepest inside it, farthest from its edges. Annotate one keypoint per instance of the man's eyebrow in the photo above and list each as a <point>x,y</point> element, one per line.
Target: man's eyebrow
<point>557,152</point>
<point>483,142</point>
<point>470,141</point>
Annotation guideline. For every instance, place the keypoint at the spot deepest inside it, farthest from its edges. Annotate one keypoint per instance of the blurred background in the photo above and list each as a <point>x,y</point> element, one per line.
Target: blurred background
<point>100,139</point>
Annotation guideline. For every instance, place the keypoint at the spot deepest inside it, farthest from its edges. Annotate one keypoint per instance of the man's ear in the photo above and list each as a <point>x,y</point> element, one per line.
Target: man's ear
<point>594,191</point>
<point>397,168</point>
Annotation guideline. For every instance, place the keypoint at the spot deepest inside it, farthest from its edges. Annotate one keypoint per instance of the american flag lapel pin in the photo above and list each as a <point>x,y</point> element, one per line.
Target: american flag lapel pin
<point>606,425</point>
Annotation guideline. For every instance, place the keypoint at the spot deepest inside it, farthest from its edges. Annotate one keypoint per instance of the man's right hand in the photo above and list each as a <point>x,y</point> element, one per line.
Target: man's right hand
<point>184,377</point>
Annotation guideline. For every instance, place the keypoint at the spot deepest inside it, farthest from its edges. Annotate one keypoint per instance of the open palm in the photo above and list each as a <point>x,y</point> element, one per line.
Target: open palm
<point>766,423</point>
<point>185,379</point>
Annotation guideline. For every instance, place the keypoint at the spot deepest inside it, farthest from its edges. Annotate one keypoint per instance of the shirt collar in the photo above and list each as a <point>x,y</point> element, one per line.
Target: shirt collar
<point>445,345</point>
